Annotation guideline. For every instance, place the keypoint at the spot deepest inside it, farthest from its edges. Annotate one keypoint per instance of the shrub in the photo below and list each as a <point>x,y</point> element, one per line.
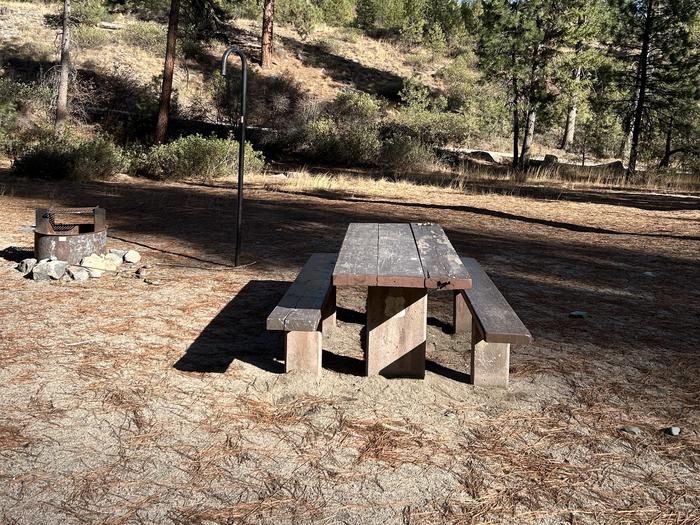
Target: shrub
<point>73,159</point>
<point>405,153</point>
<point>195,157</point>
<point>91,37</point>
<point>348,131</point>
<point>24,115</point>
<point>337,12</point>
<point>149,36</point>
<point>89,12</point>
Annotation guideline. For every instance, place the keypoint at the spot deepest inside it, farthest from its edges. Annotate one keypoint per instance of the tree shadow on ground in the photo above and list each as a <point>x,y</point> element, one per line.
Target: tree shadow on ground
<point>544,274</point>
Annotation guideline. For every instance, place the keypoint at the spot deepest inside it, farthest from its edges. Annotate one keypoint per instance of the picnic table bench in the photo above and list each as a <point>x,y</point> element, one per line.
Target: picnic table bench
<point>305,312</point>
<point>399,264</point>
<point>494,327</point>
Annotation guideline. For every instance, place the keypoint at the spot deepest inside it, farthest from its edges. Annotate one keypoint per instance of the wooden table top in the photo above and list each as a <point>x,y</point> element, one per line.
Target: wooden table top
<point>416,255</point>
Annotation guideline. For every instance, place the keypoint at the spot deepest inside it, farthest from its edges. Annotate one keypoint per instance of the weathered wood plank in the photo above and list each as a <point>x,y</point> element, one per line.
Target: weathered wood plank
<point>442,265</point>
<point>398,260</point>
<point>358,257</point>
<point>300,308</point>
<point>495,318</point>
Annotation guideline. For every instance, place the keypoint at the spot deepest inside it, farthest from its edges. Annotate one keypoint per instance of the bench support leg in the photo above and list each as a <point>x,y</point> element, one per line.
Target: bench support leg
<point>396,331</point>
<point>303,351</point>
<point>328,322</point>
<point>462,317</point>
<point>490,361</point>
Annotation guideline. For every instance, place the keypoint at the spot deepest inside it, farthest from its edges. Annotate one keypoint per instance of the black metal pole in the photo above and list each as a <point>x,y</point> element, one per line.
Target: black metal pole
<point>241,139</point>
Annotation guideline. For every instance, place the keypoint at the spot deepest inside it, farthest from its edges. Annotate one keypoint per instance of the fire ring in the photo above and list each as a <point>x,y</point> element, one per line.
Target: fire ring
<point>69,234</point>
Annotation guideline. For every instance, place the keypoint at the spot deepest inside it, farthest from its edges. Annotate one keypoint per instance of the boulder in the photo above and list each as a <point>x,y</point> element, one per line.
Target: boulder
<point>132,256</point>
<point>115,258</point>
<point>45,271</point>
<point>550,160</point>
<point>94,274</point>
<point>120,253</point>
<point>95,262</point>
<point>78,273</point>
<point>26,265</point>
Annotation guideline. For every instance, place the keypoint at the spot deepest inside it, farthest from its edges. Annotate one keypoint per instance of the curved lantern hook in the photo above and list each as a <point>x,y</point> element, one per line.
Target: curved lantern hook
<point>241,140</point>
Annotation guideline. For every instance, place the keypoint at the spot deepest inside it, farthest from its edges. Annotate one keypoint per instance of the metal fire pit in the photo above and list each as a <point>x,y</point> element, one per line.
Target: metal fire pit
<point>69,234</point>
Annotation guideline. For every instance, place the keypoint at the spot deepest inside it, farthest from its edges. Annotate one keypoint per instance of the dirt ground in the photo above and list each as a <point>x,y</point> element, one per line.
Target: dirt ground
<point>129,402</point>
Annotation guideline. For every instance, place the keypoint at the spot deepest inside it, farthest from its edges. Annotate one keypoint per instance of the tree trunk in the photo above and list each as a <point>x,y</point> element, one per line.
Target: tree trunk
<point>527,139</point>
<point>168,69</point>
<point>639,111</point>
<point>516,133</point>
<point>570,127</point>
<point>62,101</point>
<point>267,32</point>
<point>665,161</point>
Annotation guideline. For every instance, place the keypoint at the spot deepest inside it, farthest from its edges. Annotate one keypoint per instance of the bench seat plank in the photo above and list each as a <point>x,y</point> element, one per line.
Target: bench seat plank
<point>398,260</point>
<point>300,308</point>
<point>442,266</point>
<point>497,321</point>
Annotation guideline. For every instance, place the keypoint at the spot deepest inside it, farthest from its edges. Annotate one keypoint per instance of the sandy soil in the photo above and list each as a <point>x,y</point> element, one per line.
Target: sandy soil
<point>129,402</point>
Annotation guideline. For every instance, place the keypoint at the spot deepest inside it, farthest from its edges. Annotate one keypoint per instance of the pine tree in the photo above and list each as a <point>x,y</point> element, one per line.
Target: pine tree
<point>660,67</point>
<point>519,43</point>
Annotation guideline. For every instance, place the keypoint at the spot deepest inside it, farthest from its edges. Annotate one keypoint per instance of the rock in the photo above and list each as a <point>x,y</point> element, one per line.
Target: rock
<point>110,25</point>
<point>96,262</point>
<point>132,256</point>
<point>578,314</point>
<point>48,270</point>
<point>274,176</point>
<point>550,160</point>
<point>53,258</point>
<point>483,156</point>
<point>78,273</point>
<point>632,430</point>
<point>154,282</point>
<point>142,272</point>
<point>649,274</point>
<point>95,274</point>
<point>115,258</point>
<point>673,431</point>
<point>120,253</point>
<point>26,265</point>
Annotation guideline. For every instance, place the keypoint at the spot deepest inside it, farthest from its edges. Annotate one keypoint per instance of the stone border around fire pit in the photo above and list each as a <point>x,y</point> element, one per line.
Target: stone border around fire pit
<point>92,266</point>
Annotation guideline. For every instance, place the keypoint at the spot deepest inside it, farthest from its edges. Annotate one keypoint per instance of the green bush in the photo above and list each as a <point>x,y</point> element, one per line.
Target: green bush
<point>89,12</point>
<point>405,153</point>
<point>149,36</point>
<point>303,15</point>
<point>347,132</point>
<point>24,115</point>
<point>91,37</point>
<point>337,12</point>
<point>72,159</point>
<point>195,157</point>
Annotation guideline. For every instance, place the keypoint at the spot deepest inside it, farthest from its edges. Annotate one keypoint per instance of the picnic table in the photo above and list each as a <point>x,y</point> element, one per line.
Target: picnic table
<point>399,263</point>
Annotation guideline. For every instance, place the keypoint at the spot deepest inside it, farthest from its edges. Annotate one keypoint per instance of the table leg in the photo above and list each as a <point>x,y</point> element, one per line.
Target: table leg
<point>396,331</point>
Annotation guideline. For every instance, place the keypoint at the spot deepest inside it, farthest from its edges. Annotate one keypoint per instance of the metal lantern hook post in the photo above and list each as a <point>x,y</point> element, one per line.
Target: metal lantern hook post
<point>241,138</point>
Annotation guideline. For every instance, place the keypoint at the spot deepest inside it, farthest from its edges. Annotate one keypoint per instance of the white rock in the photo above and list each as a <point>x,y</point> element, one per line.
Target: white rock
<point>132,256</point>
<point>115,258</point>
<point>96,262</point>
<point>120,253</point>
<point>26,265</point>
<point>46,271</point>
<point>673,431</point>
<point>632,430</point>
<point>78,273</point>
<point>95,274</point>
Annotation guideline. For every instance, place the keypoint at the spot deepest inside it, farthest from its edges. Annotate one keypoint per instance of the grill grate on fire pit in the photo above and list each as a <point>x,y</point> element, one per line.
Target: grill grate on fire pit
<point>69,234</point>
